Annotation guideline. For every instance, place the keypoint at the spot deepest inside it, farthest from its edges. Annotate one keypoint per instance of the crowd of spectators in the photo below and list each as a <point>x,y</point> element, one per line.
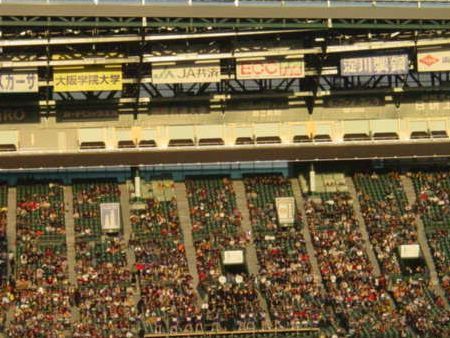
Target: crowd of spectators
<point>391,222</point>
<point>231,298</point>
<point>360,300</point>
<point>285,276</point>
<point>354,302</point>
<point>433,205</point>
<point>105,285</point>
<point>41,306</point>
<point>168,301</point>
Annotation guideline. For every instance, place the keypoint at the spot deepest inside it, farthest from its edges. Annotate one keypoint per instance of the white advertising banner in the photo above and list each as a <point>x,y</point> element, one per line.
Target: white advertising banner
<point>285,210</point>
<point>110,217</point>
<point>270,69</point>
<point>410,251</point>
<point>233,257</point>
<point>186,73</point>
<point>433,60</point>
<point>394,64</point>
<point>19,81</point>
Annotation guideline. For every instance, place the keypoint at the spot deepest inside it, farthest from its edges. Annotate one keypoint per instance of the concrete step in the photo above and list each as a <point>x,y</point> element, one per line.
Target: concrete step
<point>70,242</point>
<point>125,213</point>
<point>362,227</point>
<point>11,237</point>
<point>423,242</point>
<point>300,202</point>
<point>186,228</point>
<point>70,233</point>
<point>250,251</point>
<point>11,231</point>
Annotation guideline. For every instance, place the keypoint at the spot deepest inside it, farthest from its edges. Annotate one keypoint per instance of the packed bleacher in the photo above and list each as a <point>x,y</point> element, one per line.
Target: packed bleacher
<point>168,301</point>
<point>433,205</point>
<point>41,294</point>
<point>360,300</point>
<point>391,222</point>
<point>144,286</point>
<point>285,275</point>
<point>105,287</point>
<point>231,300</point>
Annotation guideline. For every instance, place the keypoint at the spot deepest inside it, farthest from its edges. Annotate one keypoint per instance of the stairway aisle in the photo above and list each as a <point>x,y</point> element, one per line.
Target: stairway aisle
<point>362,227</point>
<point>186,227</point>
<point>70,242</point>
<point>250,251</point>
<point>299,201</point>
<point>11,233</point>
<point>411,197</point>
<point>126,225</point>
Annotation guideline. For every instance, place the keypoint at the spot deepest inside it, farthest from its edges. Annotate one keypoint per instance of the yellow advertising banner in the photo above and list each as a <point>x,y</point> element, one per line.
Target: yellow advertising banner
<point>78,79</point>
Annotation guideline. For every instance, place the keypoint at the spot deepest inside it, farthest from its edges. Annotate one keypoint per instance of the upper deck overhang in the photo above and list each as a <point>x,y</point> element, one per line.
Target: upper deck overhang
<point>400,10</point>
<point>215,155</point>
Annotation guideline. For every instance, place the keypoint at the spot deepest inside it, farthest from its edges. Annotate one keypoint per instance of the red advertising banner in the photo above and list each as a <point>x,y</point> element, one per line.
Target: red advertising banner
<point>270,69</point>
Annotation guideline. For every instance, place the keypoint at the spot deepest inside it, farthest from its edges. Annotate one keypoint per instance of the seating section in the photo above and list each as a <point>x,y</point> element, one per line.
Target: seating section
<point>286,280</point>
<point>231,300</point>
<point>137,281</point>
<point>168,302</point>
<point>433,205</point>
<point>87,197</point>
<point>41,278</point>
<point>360,300</point>
<point>40,211</point>
<point>391,222</point>
<point>105,294</point>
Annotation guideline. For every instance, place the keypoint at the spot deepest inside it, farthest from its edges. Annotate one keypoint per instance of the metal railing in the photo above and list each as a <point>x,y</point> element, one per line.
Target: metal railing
<point>274,3</point>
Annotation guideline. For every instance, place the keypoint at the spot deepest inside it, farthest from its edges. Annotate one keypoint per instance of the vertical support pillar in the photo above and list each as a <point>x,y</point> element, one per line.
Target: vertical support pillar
<point>312,178</point>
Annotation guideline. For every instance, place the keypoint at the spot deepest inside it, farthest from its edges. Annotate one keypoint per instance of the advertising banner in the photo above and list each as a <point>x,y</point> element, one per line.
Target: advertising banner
<point>270,69</point>
<point>98,78</point>
<point>110,217</point>
<point>393,64</point>
<point>408,251</point>
<point>233,257</point>
<point>18,115</point>
<point>433,60</point>
<point>285,210</point>
<point>68,115</point>
<point>19,81</point>
<point>186,73</point>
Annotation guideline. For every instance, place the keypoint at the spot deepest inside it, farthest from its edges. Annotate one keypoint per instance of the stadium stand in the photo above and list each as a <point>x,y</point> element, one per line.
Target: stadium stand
<point>432,191</point>
<point>105,284</point>
<point>285,274</point>
<point>360,300</point>
<point>42,296</point>
<point>168,302</point>
<point>232,301</point>
<point>391,222</point>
